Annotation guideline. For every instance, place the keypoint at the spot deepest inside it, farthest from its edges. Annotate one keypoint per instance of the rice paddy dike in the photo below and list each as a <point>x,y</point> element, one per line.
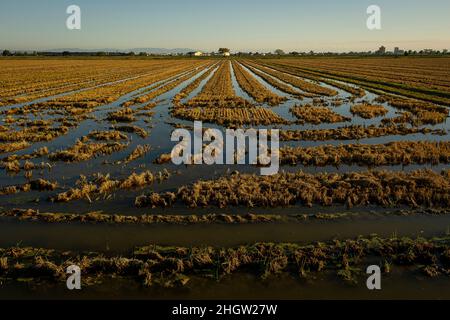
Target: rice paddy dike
<point>86,178</point>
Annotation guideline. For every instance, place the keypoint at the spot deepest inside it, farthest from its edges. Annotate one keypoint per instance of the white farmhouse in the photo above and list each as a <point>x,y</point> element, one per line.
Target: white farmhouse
<point>198,53</point>
<point>226,54</point>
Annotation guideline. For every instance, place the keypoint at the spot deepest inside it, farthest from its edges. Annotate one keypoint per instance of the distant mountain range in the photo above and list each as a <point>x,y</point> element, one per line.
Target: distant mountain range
<point>135,50</point>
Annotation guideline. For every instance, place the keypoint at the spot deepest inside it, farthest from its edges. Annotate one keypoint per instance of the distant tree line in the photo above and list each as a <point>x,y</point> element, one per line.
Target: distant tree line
<point>276,53</point>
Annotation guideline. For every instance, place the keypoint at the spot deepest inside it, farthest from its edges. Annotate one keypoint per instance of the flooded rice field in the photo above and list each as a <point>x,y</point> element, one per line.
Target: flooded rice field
<point>86,177</point>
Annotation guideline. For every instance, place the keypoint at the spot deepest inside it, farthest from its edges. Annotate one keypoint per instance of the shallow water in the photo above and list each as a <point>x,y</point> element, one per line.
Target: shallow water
<point>401,284</point>
<point>121,238</point>
<point>159,140</point>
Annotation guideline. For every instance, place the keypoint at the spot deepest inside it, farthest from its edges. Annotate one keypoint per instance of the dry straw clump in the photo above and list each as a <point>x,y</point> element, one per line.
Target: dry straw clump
<point>418,112</point>
<point>103,186</point>
<point>255,89</point>
<point>167,87</point>
<point>35,185</point>
<point>13,146</point>
<point>218,92</point>
<point>304,85</point>
<point>123,115</point>
<point>163,158</point>
<point>99,217</point>
<point>33,134</point>
<point>417,188</point>
<point>175,266</point>
<point>278,70</point>
<point>276,83</point>
<point>14,166</point>
<point>137,153</point>
<point>354,132</point>
<point>110,135</point>
<point>368,111</point>
<point>191,87</point>
<point>37,153</point>
<point>82,151</point>
<point>394,153</point>
<point>133,129</point>
<point>316,115</point>
<point>229,116</point>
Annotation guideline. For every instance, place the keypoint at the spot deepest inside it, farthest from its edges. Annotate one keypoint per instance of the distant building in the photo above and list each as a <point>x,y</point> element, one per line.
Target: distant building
<point>381,50</point>
<point>397,51</point>
<point>195,53</point>
<point>226,54</point>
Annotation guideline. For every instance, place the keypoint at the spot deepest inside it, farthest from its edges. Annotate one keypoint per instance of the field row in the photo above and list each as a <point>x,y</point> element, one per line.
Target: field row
<point>175,267</point>
<point>375,81</point>
<point>26,80</point>
<point>384,188</point>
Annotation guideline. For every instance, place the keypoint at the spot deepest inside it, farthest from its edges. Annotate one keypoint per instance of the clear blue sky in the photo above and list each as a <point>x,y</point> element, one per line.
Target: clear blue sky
<point>319,25</point>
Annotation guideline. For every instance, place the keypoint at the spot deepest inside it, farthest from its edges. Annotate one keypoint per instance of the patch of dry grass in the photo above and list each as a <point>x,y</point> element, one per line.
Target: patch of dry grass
<point>122,115</point>
<point>173,266</point>
<point>368,111</point>
<point>111,135</point>
<point>35,185</point>
<point>354,132</point>
<point>103,186</point>
<point>133,129</point>
<point>418,112</point>
<point>137,153</point>
<point>13,146</point>
<point>255,89</point>
<point>385,188</point>
<point>229,116</point>
<point>394,153</point>
<point>316,115</point>
<point>84,151</point>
